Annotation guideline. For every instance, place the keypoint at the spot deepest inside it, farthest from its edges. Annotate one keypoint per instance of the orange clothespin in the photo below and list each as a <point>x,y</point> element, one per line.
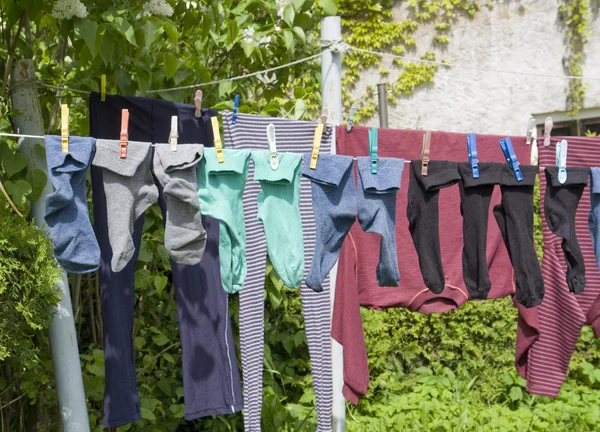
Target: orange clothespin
<point>124,132</point>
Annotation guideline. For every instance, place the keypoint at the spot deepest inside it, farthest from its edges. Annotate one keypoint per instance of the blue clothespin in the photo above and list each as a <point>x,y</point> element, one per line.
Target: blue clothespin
<point>373,148</point>
<point>351,118</point>
<point>472,152</point>
<point>561,160</point>
<point>511,157</point>
<point>236,105</point>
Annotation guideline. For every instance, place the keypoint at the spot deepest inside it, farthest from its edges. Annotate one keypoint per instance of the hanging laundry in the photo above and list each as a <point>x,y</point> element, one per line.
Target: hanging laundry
<point>202,305</point>
<point>356,279</point>
<point>560,206</point>
<point>220,188</point>
<point>514,215</point>
<point>337,203</point>
<point>66,211</point>
<point>249,133</point>
<point>548,333</point>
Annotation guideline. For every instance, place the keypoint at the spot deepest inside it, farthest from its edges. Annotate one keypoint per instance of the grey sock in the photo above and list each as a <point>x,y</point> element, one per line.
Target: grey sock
<point>185,237</point>
<point>334,205</point>
<point>377,211</point>
<point>129,190</point>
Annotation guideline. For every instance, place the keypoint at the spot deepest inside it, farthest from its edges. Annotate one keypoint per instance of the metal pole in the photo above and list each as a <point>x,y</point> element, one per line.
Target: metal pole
<point>383,104</point>
<point>63,339</point>
<point>331,87</point>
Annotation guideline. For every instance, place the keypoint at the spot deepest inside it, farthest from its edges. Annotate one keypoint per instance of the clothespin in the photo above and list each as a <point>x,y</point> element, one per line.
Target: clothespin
<point>373,148</point>
<point>64,128</point>
<point>236,106</point>
<point>511,157</point>
<point>351,118</point>
<point>103,87</point>
<point>274,161</point>
<point>317,139</point>
<point>561,160</point>
<point>217,138</point>
<point>198,103</point>
<point>173,135</point>
<point>472,152</point>
<point>425,153</point>
<point>547,129</point>
<point>124,132</point>
<point>530,126</point>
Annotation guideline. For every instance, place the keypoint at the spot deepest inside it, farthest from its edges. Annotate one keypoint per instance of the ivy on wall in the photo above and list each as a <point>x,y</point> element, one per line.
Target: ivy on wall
<point>575,15</point>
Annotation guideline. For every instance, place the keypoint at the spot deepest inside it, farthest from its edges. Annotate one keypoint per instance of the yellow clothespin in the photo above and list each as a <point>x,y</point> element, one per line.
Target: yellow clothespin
<point>64,129</point>
<point>317,139</point>
<point>217,136</point>
<point>174,134</point>
<point>103,88</point>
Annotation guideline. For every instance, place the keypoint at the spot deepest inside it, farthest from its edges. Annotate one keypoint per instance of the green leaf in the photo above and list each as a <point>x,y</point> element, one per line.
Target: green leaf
<point>151,30</point>
<point>299,109</point>
<point>516,394</point>
<point>170,64</point>
<point>147,414</point>
<point>171,31</point>
<point>288,37</point>
<point>168,357</point>
<point>107,49</point>
<point>289,14</point>
<point>18,191</point>
<point>298,4</point>
<point>88,31</point>
<point>160,282</point>
<point>177,410</point>
<point>38,179</point>
<point>248,49</point>
<point>160,339</point>
<point>13,162</point>
<point>329,7</point>
<point>125,29</point>
<point>225,89</point>
<point>300,33</point>
<point>232,32</point>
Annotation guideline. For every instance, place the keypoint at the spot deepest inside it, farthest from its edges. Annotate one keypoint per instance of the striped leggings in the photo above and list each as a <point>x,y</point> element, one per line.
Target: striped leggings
<point>249,132</point>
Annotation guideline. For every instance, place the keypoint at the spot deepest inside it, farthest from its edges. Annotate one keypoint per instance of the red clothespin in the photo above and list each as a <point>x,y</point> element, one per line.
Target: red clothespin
<point>124,132</point>
<point>198,103</point>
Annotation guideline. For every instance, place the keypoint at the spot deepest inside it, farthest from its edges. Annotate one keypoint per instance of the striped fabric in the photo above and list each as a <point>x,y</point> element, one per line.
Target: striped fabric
<point>292,136</point>
<point>554,326</point>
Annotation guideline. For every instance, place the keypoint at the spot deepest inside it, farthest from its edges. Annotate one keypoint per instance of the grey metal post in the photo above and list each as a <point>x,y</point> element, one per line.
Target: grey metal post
<point>63,339</point>
<point>331,87</point>
<point>383,104</point>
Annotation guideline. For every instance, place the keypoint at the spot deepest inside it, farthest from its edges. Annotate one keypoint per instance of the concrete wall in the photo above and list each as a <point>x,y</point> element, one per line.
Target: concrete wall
<point>514,36</point>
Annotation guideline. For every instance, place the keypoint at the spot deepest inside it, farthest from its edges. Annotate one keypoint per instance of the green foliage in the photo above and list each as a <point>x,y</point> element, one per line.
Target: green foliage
<point>575,15</point>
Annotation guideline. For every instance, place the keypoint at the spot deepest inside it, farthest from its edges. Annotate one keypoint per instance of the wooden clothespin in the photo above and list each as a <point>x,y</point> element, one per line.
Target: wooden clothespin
<point>425,153</point>
<point>547,130</point>
<point>273,160</point>
<point>173,135</point>
<point>236,107</point>
<point>124,132</point>
<point>198,103</point>
<point>64,128</point>
<point>217,138</point>
<point>103,87</point>
<point>317,139</point>
<point>530,126</point>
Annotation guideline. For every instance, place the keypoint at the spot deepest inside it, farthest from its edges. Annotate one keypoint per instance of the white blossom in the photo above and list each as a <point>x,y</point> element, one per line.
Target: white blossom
<point>265,40</point>
<point>158,8</point>
<point>248,34</point>
<point>67,9</point>
<point>281,5</point>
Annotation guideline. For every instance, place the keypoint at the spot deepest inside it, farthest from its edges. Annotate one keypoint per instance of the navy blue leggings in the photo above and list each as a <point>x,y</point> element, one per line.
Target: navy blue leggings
<point>211,379</point>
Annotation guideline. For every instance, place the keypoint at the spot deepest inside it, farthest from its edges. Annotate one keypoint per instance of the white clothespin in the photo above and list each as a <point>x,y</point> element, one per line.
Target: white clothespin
<point>547,129</point>
<point>198,103</point>
<point>530,126</point>
<point>64,127</point>
<point>561,160</point>
<point>173,135</point>
<point>274,161</point>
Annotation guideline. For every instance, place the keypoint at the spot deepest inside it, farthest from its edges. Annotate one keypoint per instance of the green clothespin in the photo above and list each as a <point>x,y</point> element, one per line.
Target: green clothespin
<point>373,148</point>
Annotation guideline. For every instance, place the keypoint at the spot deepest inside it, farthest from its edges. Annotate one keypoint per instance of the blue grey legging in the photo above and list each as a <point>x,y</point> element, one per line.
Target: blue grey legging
<point>211,379</point>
